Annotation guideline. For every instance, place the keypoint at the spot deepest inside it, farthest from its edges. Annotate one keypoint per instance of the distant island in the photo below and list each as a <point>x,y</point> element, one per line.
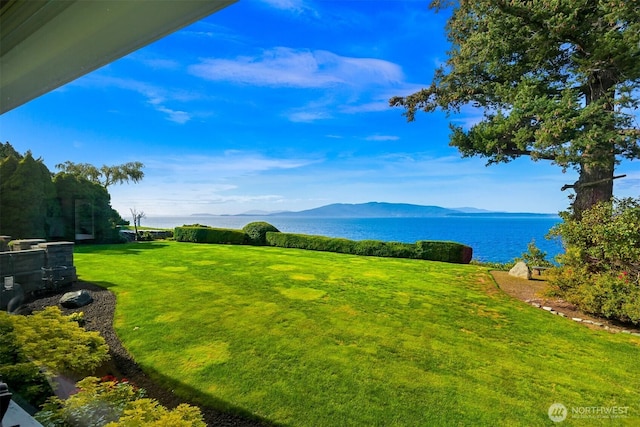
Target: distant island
<point>384,210</point>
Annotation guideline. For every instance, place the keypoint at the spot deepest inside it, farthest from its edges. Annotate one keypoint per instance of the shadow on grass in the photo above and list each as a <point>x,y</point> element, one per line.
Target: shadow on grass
<point>133,248</point>
<point>94,285</point>
<point>214,410</point>
<point>169,392</point>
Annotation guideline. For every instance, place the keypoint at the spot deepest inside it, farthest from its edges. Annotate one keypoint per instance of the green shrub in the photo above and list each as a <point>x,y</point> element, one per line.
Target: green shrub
<point>199,234</point>
<point>257,232</point>
<point>149,413</point>
<point>23,376</point>
<point>114,403</point>
<point>534,256</point>
<point>500,266</point>
<point>145,236</point>
<point>27,382</point>
<point>599,270</point>
<point>427,250</point>
<point>58,343</point>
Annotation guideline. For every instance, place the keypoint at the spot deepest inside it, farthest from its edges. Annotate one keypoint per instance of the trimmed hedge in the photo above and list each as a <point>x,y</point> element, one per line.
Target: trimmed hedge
<point>424,249</point>
<point>257,232</point>
<point>203,234</point>
<point>263,233</point>
<point>444,251</point>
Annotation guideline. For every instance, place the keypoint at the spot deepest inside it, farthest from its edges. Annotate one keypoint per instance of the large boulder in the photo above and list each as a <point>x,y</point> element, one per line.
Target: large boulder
<point>520,270</point>
<point>76,299</point>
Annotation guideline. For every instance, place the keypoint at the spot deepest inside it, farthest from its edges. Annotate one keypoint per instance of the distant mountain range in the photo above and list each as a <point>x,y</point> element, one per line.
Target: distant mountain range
<point>386,210</point>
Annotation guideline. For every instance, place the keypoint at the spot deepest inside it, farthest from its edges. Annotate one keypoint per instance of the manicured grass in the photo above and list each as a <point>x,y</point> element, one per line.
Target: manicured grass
<point>315,339</point>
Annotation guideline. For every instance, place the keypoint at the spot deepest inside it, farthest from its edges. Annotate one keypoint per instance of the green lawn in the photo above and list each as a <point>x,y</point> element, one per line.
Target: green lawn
<point>315,339</point>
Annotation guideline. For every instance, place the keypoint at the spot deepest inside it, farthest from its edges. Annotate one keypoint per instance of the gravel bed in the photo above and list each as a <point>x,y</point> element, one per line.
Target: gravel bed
<point>99,317</point>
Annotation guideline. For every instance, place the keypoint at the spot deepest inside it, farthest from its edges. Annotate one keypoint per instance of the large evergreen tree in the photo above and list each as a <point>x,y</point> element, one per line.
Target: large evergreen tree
<point>27,197</point>
<point>557,80</point>
<point>85,204</point>
<point>33,203</point>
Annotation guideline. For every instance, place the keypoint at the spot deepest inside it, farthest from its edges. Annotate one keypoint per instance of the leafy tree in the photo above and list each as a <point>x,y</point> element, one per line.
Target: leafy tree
<point>75,192</point>
<point>33,204</point>
<point>27,197</point>
<point>534,256</point>
<point>106,175</point>
<point>7,150</point>
<point>556,80</point>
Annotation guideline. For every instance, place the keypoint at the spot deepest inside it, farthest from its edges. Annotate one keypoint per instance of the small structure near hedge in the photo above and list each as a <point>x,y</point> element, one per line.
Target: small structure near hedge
<point>263,233</point>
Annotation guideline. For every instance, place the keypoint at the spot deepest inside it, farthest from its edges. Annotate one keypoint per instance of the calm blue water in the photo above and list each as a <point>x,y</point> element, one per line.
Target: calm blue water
<point>495,239</point>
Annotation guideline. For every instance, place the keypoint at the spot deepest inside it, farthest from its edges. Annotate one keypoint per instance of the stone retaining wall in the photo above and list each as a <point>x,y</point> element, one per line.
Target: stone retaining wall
<point>33,265</point>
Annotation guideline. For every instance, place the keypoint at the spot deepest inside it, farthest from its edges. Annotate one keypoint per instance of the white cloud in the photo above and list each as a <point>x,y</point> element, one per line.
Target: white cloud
<point>156,96</point>
<point>367,107</point>
<point>161,64</point>
<point>177,185</point>
<point>155,63</point>
<point>180,117</point>
<point>157,198</point>
<point>351,85</point>
<point>208,30</point>
<point>382,138</point>
<point>299,68</point>
<point>229,164</point>
<point>307,116</point>
<point>296,6</point>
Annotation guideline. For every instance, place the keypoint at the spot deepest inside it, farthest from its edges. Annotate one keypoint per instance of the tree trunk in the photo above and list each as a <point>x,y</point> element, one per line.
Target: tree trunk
<point>135,228</point>
<point>134,214</point>
<point>594,185</point>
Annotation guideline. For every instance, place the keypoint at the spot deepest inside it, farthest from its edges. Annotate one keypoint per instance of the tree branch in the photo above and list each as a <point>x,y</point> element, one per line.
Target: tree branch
<point>590,184</point>
<point>532,154</point>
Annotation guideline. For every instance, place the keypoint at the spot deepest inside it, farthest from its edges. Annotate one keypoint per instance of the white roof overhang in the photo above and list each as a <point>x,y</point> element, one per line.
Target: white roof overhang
<point>46,44</point>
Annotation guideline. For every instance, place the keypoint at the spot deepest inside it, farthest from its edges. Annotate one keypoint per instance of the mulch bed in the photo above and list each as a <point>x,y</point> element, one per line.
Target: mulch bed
<point>99,317</point>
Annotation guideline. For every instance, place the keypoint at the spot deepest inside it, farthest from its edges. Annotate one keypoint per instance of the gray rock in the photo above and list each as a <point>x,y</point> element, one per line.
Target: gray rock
<point>76,299</point>
<point>520,270</point>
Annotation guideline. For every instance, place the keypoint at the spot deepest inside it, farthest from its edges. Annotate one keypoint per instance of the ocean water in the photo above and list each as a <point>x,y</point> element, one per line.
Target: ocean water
<point>493,238</point>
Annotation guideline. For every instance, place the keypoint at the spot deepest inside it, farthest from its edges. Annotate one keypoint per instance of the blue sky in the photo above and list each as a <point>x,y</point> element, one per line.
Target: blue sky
<point>281,105</point>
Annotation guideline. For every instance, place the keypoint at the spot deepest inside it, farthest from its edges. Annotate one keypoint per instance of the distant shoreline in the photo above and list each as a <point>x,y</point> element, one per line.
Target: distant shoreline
<point>382,210</point>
